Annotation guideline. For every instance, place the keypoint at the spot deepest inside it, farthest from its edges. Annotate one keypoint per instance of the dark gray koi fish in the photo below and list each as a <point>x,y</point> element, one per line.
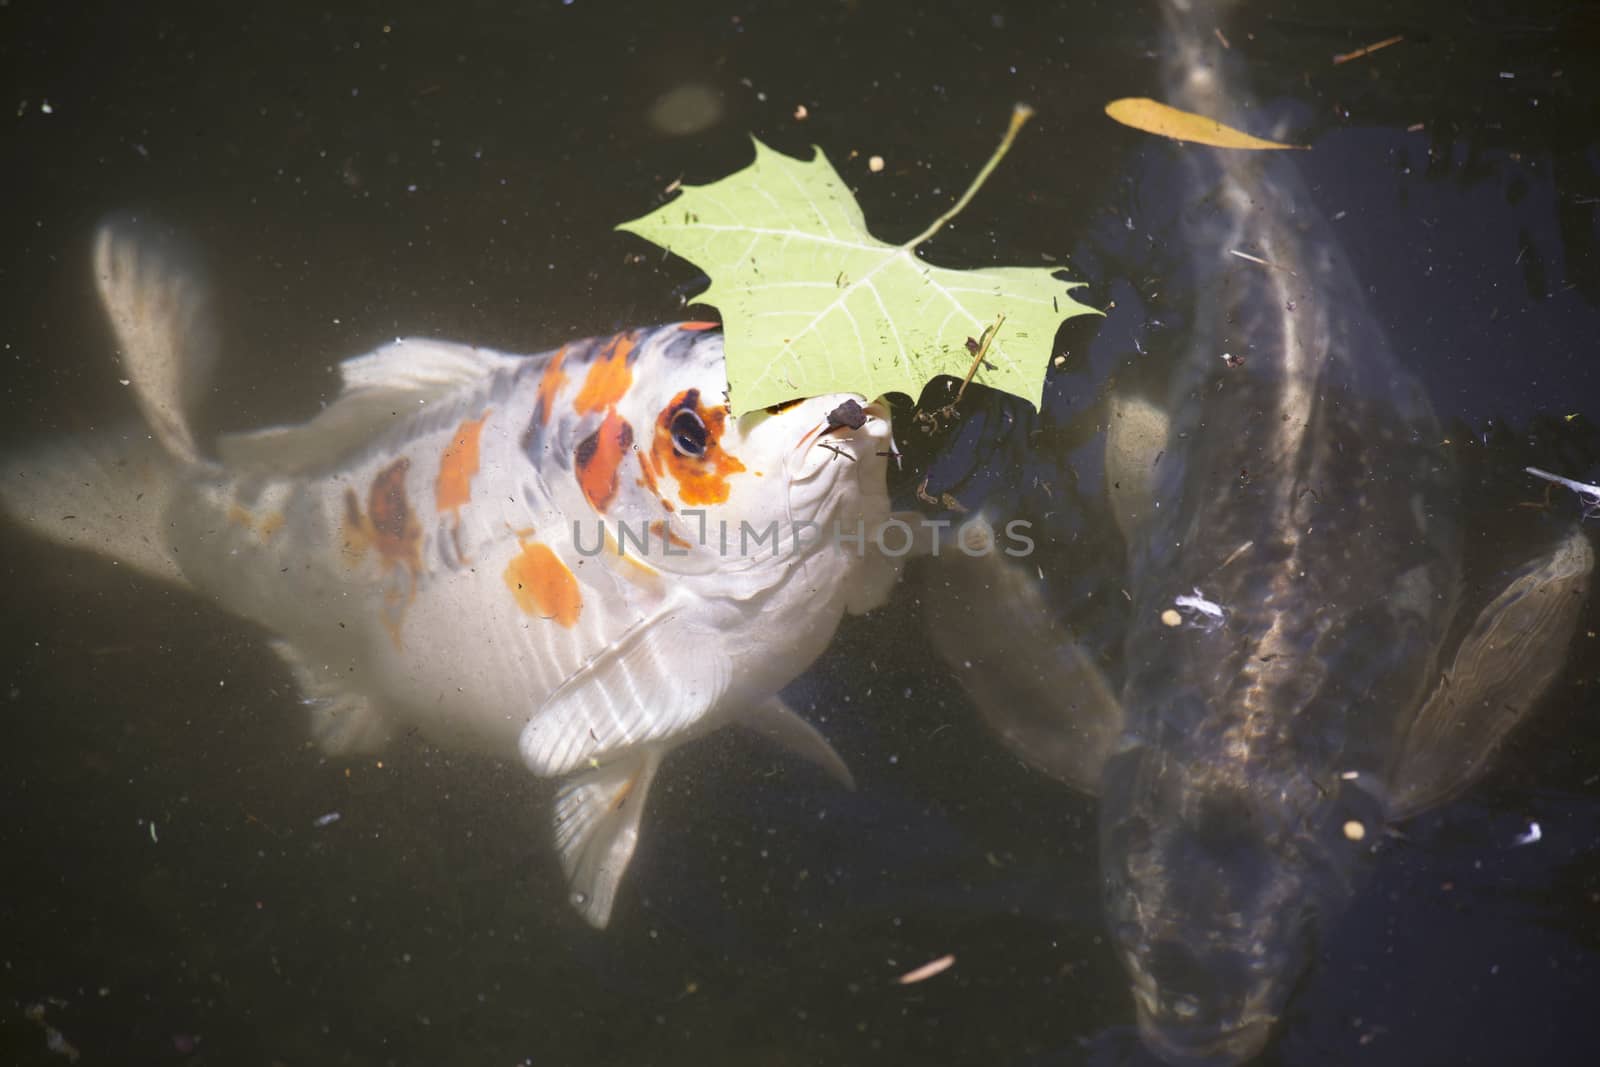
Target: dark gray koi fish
<point>1290,686</point>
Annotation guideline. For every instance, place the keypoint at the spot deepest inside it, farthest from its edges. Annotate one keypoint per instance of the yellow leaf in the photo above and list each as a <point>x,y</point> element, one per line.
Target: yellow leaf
<point>1152,116</point>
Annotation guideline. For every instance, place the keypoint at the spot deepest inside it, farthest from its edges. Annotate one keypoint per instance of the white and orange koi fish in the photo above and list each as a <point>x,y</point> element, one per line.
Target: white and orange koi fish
<point>576,557</point>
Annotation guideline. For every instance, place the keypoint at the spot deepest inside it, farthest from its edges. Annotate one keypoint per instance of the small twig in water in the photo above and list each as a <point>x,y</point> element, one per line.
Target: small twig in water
<point>1589,494</point>
<point>977,358</point>
<point>927,970</point>
<point>1367,50</point>
<point>1263,262</point>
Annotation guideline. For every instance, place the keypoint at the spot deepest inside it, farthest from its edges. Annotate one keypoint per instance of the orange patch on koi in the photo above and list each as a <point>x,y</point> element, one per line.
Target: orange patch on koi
<point>598,458</point>
<point>667,534</point>
<point>239,515</point>
<point>698,326</point>
<point>609,377</point>
<point>647,479</point>
<point>390,527</point>
<point>701,479</point>
<point>269,526</point>
<point>637,571</point>
<point>543,585</point>
<point>397,534</point>
<point>550,383</point>
<point>622,794</point>
<point>457,466</point>
<point>453,488</point>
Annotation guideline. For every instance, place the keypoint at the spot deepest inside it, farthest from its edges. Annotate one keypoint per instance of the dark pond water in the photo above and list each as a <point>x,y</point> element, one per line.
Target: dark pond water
<point>353,177</point>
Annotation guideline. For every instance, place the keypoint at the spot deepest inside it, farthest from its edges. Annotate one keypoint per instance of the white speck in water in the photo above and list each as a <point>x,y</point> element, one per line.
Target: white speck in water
<point>1530,836</point>
<point>1355,830</point>
<point>325,820</point>
<point>1197,602</point>
<point>44,106</point>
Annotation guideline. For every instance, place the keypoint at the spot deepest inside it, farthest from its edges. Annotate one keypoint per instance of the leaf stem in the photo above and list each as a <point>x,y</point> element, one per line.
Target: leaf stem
<point>977,359</point>
<point>1019,114</point>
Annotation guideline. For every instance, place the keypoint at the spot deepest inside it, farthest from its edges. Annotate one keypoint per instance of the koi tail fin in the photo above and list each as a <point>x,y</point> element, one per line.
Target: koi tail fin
<point>162,314</point>
<point>109,491</point>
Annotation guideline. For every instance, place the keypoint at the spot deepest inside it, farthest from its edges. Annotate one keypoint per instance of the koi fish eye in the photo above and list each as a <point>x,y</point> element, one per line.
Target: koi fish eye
<point>688,433</point>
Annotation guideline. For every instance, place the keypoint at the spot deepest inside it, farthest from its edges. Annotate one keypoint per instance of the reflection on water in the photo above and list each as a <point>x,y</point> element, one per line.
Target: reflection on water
<point>170,894</point>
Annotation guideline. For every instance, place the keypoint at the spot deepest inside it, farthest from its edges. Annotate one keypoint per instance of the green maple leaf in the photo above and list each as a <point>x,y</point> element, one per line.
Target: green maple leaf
<point>812,303</point>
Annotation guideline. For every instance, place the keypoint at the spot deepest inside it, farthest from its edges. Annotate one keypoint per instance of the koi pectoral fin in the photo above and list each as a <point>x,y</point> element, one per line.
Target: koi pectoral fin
<point>779,723</point>
<point>1033,683</point>
<point>656,681</point>
<point>1136,435</point>
<point>1503,666</point>
<point>597,816</point>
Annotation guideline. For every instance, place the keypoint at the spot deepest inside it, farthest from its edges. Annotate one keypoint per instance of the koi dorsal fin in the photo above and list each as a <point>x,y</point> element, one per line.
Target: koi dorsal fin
<point>381,388</point>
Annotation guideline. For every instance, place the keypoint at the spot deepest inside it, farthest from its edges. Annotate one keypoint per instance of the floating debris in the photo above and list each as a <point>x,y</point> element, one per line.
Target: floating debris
<point>1367,50</point>
<point>928,970</point>
<point>1262,262</point>
<point>325,820</point>
<point>1210,609</point>
<point>1589,493</point>
<point>850,415</point>
<point>54,1039</point>
<point>1529,836</point>
<point>1152,116</point>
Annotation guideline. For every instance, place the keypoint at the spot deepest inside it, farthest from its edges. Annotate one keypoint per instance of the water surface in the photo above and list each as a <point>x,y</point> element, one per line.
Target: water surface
<point>169,895</point>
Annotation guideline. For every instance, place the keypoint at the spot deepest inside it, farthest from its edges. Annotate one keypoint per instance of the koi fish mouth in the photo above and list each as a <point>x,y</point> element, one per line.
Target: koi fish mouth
<point>848,431</point>
<point>1202,1047</point>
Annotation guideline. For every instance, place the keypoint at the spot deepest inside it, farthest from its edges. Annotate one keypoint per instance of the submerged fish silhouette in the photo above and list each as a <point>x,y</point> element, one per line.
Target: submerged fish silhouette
<point>1294,562</point>
<point>576,558</point>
